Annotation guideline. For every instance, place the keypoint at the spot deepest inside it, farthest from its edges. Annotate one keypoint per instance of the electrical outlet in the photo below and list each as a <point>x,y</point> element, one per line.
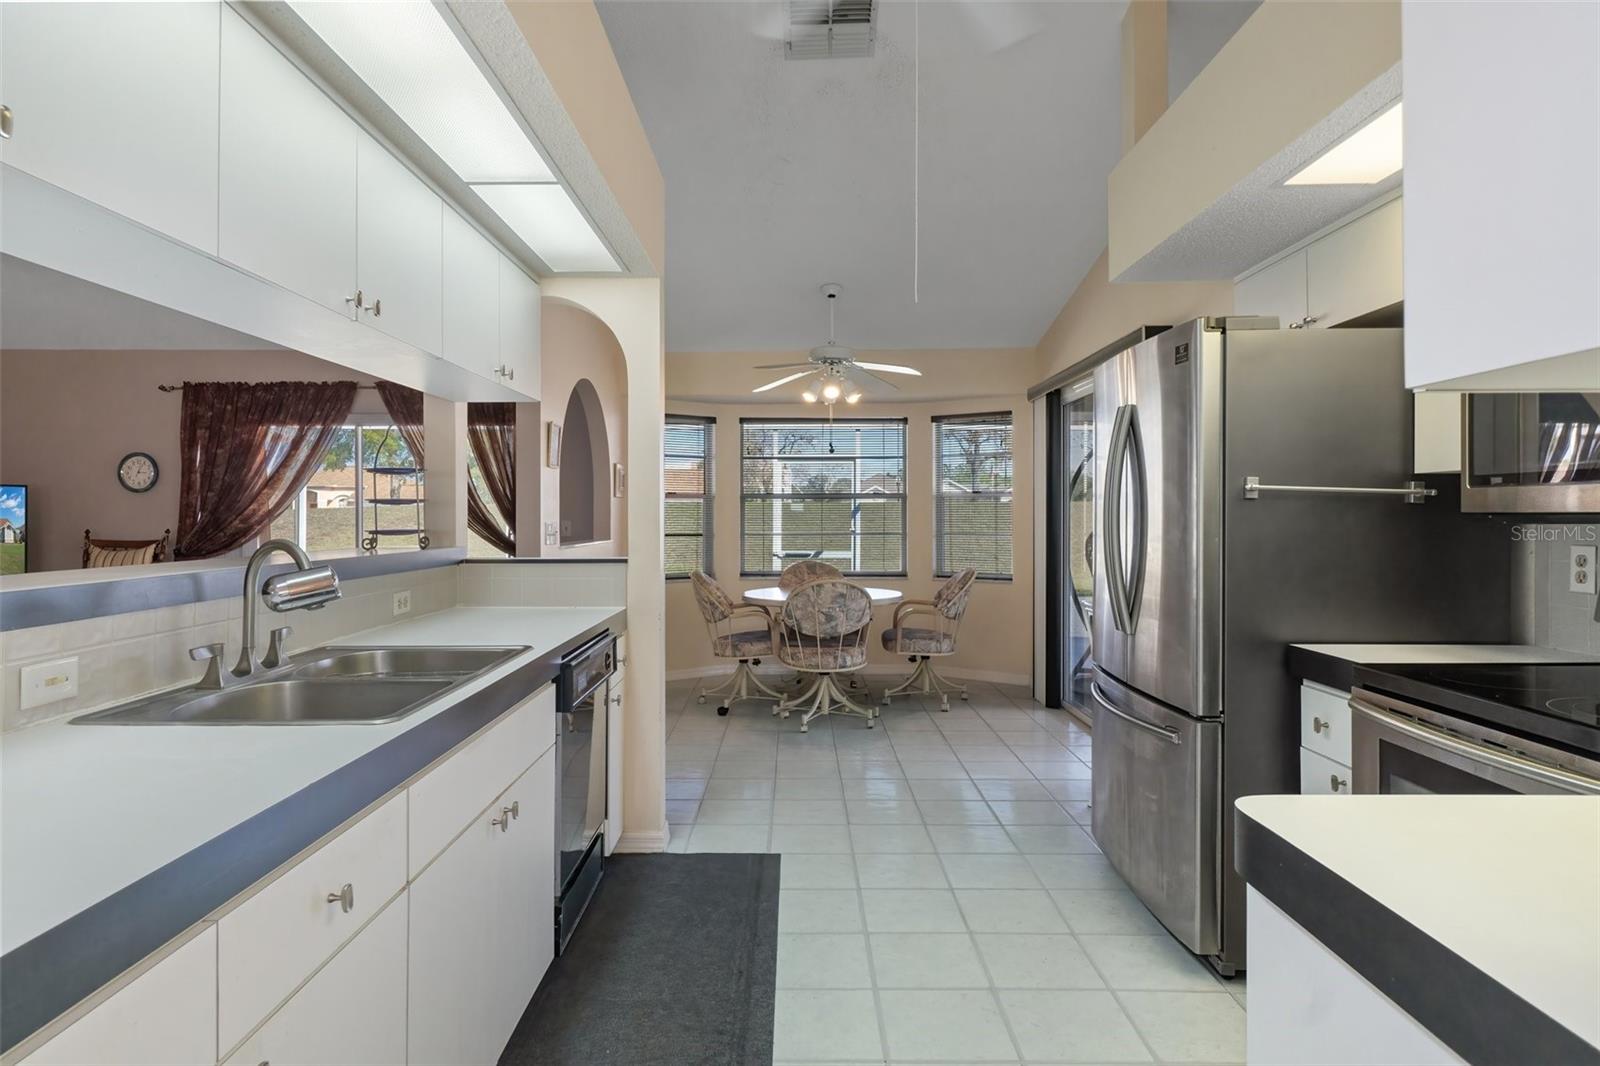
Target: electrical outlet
<point>1581,578</point>
<point>49,682</point>
<point>402,602</point>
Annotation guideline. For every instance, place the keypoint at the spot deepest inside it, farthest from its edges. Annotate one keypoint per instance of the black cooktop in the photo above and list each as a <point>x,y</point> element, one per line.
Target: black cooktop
<point>1558,702</point>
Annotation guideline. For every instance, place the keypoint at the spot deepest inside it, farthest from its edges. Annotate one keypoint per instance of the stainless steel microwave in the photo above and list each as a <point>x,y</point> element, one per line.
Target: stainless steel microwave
<point>1530,452</point>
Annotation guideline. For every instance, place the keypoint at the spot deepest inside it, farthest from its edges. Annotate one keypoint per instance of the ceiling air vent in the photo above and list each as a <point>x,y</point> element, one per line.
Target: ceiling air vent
<point>831,29</point>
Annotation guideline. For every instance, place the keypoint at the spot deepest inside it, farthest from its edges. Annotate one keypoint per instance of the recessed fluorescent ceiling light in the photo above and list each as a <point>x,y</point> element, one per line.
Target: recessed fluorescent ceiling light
<point>1368,155</point>
<point>546,217</point>
<point>411,58</point>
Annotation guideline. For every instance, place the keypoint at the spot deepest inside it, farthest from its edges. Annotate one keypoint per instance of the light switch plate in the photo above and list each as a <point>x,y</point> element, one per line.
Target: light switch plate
<point>49,682</point>
<point>1581,577</point>
<point>402,602</point>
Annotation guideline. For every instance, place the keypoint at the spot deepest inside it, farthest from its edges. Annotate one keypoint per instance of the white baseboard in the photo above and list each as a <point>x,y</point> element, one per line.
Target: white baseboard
<point>995,677</point>
<point>643,843</point>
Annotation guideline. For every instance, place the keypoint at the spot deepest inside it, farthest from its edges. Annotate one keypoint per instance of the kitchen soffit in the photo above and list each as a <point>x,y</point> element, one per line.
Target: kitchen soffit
<point>409,71</point>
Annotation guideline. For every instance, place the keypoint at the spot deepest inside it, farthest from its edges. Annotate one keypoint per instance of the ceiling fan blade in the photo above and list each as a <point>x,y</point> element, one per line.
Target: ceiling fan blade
<point>781,381</point>
<point>781,366</point>
<point>860,368</point>
<point>890,368</point>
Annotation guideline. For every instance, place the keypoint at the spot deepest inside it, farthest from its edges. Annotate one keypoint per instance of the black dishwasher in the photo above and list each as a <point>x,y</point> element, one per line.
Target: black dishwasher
<point>582,689</point>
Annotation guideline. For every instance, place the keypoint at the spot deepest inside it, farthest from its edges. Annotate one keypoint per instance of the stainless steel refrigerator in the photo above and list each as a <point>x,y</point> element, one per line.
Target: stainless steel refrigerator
<point>1203,582</point>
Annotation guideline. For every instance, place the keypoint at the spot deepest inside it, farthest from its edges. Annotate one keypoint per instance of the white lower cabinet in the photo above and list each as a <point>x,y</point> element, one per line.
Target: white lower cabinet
<point>350,956</point>
<point>1325,748</point>
<point>482,926</point>
<point>167,1016</point>
<point>351,1013</point>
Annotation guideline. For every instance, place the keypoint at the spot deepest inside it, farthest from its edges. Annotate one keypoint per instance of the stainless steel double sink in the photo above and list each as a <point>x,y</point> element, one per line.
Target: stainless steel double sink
<point>323,686</point>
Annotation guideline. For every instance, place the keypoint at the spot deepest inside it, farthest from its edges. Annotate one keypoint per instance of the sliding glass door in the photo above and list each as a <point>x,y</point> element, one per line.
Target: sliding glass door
<point>1077,501</point>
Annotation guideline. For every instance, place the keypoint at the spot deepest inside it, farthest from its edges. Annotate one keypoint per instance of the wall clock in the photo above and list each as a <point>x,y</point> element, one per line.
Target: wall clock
<point>138,472</point>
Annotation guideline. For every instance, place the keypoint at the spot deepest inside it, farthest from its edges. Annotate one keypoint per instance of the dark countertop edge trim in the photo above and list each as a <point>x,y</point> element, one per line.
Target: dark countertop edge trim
<point>1476,1016</point>
<point>56,970</point>
<point>27,608</point>
<point>1322,668</point>
<point>546,559</point>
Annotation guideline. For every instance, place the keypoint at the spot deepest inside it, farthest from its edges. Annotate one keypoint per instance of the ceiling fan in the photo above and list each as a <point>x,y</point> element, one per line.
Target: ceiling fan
<point>835,367</point>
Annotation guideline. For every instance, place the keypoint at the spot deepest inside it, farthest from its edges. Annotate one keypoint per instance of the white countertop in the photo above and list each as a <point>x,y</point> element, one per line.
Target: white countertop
<point>1445,653</point>
<point>87,810</point>
<point>1511,884</point>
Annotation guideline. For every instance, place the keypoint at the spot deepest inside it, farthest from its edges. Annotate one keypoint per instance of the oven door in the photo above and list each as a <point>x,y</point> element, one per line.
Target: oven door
<point>1396,754</point>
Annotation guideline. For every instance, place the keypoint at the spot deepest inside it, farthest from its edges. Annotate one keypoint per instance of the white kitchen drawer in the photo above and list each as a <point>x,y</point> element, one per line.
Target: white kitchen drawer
<point>1321,776</point>
<point>275,939</point>
<point>167,1016</point>
<point>1325,721</point>
<point>353,1010</point>
<point>452,793</point>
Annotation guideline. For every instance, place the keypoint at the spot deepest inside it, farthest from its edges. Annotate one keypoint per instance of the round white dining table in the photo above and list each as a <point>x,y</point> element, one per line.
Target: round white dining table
<point>773,596</point>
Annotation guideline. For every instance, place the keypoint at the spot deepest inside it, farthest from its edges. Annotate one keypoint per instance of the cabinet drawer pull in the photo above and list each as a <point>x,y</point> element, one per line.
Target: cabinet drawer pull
<point>345,897</point>
<point>504,820</point>
<point>515,809</point>
<point>1319,726</point>
<point>1337,783</point>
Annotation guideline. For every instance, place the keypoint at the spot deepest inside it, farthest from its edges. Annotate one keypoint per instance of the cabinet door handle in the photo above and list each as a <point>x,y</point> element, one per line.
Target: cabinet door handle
<point>345,897</point>
<point>504,820</point>
<point>5,122</point>
<point>1337,783</point>
<point>355,300</point>
<point>617,699</point>
<point>1319,726</point>
<point>377,308</point>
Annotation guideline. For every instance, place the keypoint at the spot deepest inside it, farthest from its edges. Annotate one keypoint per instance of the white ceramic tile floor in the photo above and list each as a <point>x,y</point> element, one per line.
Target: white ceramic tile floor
<point>942,899</point>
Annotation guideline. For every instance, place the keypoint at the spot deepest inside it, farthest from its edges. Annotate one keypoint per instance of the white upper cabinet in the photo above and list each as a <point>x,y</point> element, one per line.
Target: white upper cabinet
<point>1278,289</point>
<point>471,297</point>
<point>118,104</point>
<point>1502,164</point>
<point>288,173</point>
<point>1356,269</point>
<point>519,330</point>
<point>399,258</point>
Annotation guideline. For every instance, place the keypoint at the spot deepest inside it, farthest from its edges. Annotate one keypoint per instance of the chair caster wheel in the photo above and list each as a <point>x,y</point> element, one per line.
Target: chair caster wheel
<point>722,712</point>
<point>963,695</point>
<point>944,705</point>
<point>871,724</point>
<point>700,700</point>
<point>805,729</point>
<point>886,701</point>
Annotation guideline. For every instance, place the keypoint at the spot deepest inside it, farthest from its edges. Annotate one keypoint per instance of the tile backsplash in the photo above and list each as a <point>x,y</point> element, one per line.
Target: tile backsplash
<point>1562,618</point>
<point>544,584</point>
<point>124,655</point>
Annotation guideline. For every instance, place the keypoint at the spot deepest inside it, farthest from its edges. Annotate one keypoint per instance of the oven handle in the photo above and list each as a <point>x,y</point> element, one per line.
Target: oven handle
<point>1169,735</point>
<point>1488,756</point>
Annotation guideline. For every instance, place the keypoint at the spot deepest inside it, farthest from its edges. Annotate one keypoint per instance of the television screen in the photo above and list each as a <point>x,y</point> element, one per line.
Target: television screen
<point>13,529</point>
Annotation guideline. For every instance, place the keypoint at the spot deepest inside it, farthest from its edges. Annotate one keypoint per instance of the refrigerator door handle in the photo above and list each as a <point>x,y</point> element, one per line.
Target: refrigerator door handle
<point>1133,591</point>
<point>1169,735</point>
<point>1111,519</point>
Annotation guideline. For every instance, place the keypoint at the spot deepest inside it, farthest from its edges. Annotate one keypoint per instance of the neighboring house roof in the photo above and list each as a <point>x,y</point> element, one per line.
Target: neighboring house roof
<point>683,479</point>
<point>4,522</point>
<point>344,480</point>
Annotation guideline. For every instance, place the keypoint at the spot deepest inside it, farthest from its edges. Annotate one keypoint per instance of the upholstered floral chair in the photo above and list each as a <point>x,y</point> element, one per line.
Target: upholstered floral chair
<point>822,632</point>
<point>938,623</point>
<point>804,571</point>
<point>728,623</point>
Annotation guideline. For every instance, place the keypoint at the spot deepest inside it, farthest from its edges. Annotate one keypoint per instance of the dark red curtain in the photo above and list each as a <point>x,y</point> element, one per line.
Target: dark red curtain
<point>404,405</point>
<point>492,434</point>
<point>246,452</point>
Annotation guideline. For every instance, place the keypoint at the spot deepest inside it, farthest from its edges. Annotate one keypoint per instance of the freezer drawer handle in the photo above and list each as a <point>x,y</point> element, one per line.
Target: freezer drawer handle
<point>1414,491</point>
<point>1170,735</point>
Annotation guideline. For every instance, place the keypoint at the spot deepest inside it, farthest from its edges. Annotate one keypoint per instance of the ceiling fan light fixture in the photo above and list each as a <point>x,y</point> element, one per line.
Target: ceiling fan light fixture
<point>831,391</point>
<point>808,396</point>
<point>854,397</point>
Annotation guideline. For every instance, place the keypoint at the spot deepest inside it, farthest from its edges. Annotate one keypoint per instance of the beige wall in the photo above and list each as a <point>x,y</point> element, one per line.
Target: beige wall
<point>997,635</point>
<point>1313,56</point>
<point>68,417</point>
<point>576,346</point>
<point>571,45</point>
<point>1099,312</point>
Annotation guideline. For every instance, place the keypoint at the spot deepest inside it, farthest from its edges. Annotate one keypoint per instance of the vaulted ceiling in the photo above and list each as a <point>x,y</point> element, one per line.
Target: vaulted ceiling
<point>784,174</point>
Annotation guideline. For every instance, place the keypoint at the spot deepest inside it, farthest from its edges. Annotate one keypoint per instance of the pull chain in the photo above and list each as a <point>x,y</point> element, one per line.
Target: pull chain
<point>916,151</point>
